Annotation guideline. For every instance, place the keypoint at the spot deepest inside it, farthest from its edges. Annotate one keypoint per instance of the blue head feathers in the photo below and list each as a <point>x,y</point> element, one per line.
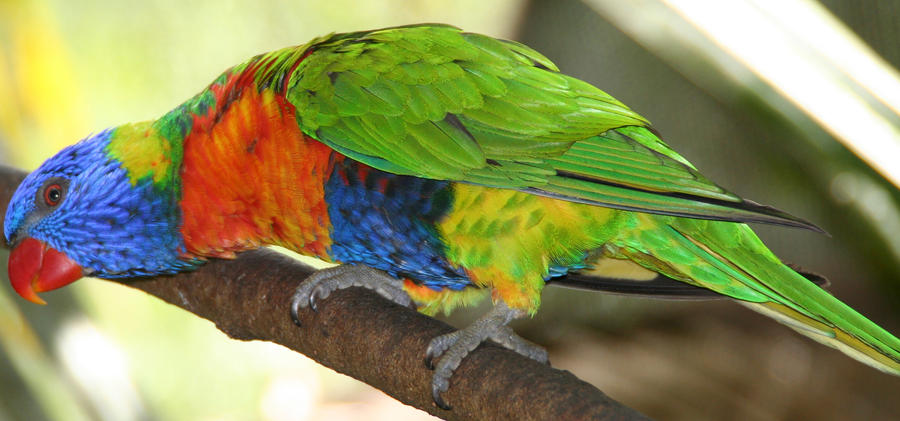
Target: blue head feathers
<point>82,203</point>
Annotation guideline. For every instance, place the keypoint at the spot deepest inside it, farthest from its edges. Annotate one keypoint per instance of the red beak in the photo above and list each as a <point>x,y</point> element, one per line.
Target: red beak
<point>35,267</point>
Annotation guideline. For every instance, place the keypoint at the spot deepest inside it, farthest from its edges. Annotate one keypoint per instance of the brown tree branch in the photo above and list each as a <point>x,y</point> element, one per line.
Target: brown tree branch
<point>360,334</point>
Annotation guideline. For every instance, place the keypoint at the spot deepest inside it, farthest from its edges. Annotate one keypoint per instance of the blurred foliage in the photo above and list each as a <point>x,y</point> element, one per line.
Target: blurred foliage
<point>101,351</point>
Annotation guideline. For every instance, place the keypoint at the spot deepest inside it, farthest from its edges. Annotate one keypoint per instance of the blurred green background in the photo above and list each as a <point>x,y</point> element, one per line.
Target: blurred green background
<point>767,98</point>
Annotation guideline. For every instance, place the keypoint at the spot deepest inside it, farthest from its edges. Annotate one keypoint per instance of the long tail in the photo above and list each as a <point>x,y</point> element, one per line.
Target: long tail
<point>729,258</point>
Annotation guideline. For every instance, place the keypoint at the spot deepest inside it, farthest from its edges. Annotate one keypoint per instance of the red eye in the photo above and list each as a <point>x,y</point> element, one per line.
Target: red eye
<point>53,194</point>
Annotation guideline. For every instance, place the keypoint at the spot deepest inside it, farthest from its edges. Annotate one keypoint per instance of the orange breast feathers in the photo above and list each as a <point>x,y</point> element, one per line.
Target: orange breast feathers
<point>250,177</point>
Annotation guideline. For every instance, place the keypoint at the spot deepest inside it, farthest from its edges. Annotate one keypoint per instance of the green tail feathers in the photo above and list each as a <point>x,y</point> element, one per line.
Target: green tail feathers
<point>730,259</point>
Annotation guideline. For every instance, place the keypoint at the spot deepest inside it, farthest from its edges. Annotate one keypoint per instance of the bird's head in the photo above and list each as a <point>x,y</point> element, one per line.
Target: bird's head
<point>104,207</point>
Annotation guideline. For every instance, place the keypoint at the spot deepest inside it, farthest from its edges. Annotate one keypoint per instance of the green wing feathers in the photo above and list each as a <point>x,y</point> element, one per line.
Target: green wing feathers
<point>631,168</point>
<point>435,102</point>
<point>731,260</point>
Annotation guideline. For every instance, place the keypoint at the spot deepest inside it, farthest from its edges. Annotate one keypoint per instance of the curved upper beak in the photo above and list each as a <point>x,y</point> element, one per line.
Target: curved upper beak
<point>36,267</point>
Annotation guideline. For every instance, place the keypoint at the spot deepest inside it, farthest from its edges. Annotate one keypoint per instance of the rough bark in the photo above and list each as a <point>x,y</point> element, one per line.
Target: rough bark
<point>360,334</point>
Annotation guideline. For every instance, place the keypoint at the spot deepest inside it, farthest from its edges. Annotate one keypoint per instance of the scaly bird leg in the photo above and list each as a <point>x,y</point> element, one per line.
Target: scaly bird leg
<point>452,348</point>
<point>449,350</point>
<point>325,281</point>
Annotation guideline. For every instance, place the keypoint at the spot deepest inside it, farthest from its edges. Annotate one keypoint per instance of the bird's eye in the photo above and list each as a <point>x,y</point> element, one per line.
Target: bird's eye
<point>53,194</point>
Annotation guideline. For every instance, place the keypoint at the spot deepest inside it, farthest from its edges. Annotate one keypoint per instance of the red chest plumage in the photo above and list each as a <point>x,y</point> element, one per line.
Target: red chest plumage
<point>251,177</point>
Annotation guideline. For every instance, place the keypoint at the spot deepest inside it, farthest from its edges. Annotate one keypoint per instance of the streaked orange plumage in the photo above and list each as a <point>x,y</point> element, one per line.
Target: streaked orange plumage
<point>270,192</point>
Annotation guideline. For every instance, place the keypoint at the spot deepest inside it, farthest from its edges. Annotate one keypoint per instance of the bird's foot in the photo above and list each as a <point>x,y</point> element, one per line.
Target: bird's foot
<point>325,281</point>
<point>450,349</point>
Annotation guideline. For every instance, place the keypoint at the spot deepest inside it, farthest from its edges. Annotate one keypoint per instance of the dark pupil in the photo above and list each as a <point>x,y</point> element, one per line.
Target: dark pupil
<point>53,195</point>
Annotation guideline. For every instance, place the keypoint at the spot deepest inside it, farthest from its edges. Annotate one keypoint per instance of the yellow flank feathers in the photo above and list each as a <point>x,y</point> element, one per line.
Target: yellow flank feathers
<point>507,240</point>
<point>431,301</point>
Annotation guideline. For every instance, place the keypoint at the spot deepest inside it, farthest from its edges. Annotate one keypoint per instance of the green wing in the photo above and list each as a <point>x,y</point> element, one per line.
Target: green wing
<point>435,102</point>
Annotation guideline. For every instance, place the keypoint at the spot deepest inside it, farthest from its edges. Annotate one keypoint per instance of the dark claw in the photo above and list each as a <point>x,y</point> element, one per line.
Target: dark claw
<point>439,401</point>
<point>312,301</point>
<point>295,312</point>
<point>430,355</point>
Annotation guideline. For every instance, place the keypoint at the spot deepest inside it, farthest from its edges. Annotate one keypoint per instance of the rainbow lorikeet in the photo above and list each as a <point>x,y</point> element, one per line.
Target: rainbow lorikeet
<point>438,167</point>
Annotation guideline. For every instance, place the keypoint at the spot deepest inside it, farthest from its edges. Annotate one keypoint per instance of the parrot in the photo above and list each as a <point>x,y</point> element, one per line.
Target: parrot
<point>434,166</point>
